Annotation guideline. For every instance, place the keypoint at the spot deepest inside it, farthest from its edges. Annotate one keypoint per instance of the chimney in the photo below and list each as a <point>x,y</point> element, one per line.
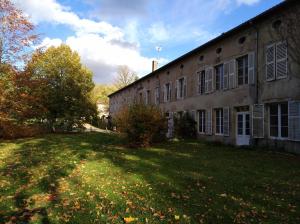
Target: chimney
<point>154,65</point>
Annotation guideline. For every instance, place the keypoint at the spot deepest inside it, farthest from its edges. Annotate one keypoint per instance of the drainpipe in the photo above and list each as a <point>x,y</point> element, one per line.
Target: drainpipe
<point>256,70</point>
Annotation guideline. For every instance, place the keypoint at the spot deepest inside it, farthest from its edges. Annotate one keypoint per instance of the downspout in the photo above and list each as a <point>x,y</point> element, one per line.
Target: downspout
<point>256,71</point>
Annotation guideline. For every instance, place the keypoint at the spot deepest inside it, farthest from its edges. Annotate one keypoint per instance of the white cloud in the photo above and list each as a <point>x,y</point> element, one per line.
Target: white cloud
<point>53,12</point>
<point>158,32</point>
<point>102,47</point>
<point>47,42</point>
<point>247,2</point>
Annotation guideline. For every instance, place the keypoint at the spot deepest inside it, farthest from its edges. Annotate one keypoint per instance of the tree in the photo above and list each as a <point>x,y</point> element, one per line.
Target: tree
<point>16,33</point>
<point>100,93</point>
<point>289,29</point>
<point>19,98</point>
<point>66,88</point>
<point>125,77</point>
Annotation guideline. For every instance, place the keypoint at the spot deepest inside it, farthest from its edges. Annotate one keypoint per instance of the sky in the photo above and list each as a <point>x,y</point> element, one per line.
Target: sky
<point>111,33</point>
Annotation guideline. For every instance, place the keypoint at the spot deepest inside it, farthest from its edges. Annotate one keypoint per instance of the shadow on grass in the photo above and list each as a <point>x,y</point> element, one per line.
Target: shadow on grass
<point>184,178</point>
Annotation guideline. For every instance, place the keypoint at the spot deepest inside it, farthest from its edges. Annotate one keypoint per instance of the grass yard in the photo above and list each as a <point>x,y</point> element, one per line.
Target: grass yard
<point>92,178</point>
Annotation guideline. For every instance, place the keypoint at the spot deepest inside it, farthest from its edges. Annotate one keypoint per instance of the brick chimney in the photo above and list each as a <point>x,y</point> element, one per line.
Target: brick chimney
<point>154,65</point>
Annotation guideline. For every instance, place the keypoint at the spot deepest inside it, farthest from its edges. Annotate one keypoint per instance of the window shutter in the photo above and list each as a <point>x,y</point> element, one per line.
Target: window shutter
<point>258,121</point>
<point>251,68</point>
<point>198,83</point>
<point>294,121</point>
<point>226,120</point>
<point>226,75</point>
<point>270,63</point>
<point>209,122</point>
<point>184,87</point>
<point>170,91</point>
<point>281,60</point>
<point>232,76</point>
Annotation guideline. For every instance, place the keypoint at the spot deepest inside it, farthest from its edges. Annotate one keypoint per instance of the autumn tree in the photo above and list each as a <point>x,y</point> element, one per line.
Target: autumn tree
<point>100,93</point>
<point>67,86</point>
<point>16,33</point>
<point>125,76</point>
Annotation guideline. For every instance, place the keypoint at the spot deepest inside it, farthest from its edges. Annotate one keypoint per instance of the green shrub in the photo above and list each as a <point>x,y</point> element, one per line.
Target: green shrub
<point>185,126</point>
<point>142,124</point>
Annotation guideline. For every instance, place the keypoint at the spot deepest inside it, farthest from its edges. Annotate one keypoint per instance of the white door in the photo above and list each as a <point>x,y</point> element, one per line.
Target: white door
<point>243,128</point>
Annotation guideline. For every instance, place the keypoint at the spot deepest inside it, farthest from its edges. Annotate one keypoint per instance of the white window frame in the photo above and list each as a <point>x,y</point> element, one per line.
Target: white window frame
<point>279,122</point>
<point>221,121</point>
<point>203,128</point>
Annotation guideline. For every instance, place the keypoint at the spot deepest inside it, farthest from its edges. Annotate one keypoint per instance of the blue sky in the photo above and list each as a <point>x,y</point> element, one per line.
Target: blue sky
<point>110,33</point>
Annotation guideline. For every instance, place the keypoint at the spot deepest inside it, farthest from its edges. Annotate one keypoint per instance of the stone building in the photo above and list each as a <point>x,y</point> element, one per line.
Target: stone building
<point>242,87</point>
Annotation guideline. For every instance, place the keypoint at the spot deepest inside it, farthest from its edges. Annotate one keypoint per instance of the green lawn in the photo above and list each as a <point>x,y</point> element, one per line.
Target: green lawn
<point>92,178</point>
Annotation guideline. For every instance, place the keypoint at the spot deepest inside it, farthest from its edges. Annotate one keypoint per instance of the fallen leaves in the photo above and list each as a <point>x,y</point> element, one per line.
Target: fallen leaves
<point>130,219</point>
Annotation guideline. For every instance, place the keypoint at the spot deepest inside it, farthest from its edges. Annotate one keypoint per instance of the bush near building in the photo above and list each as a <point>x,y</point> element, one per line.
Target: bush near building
<point>142,124</point>
<point>185,126</point>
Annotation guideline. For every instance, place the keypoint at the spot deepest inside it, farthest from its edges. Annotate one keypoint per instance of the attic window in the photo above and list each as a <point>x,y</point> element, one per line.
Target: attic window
<point>219,50</point>
<point>181,66</point>
<point>276,24</point>
<point>242,40</point>
<point>201,58</point>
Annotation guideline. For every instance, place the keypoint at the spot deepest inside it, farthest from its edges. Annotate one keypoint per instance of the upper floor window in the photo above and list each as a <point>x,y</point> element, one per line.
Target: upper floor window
<point>157,95</point>
<point>242,70</point>
<point>276,61</point>
<point>141,97</point>
<point>219,74</point>
<point>148,97</point>
<point>181,88</point>
<point>201,82</point>
<point>167,92</point>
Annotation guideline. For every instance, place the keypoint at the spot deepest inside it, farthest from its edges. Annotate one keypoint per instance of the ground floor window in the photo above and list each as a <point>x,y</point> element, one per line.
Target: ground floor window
<point>278,114</point>
<point>201,121</point>
<point>219,121</point>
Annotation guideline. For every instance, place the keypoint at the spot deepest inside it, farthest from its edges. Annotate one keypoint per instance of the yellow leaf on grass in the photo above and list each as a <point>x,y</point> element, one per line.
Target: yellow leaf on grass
<point>130,219</point>
<point>177,217</point>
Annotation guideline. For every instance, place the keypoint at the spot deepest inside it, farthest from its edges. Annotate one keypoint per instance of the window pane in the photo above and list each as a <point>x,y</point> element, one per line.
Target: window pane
<point>274,131</point>
<point>274,109</point>
<point>284,132</point>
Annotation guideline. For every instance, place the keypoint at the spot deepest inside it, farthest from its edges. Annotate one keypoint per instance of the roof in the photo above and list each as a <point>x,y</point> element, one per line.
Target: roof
<point>248,23</point>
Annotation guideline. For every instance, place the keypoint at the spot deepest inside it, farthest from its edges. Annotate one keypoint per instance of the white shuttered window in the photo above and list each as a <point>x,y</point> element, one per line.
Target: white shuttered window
<point>276,61</point>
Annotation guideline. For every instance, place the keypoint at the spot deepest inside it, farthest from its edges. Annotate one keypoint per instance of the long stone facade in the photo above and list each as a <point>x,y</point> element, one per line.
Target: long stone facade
<point>242,88</point>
